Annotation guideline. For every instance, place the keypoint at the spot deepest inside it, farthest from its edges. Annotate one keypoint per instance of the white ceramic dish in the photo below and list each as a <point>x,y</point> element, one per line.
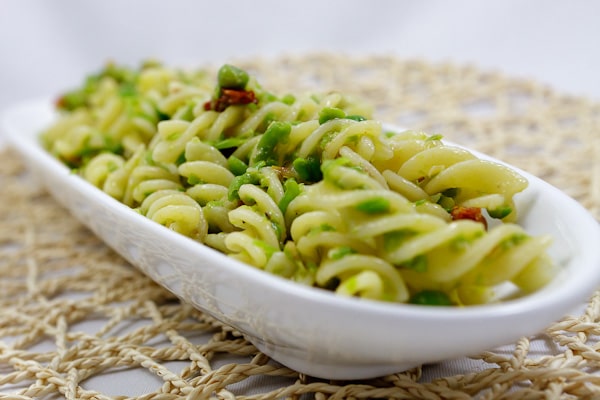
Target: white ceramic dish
<point>312,330</point>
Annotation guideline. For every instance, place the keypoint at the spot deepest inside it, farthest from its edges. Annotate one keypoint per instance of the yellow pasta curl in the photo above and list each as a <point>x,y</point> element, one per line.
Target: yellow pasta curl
<point>309,187</point>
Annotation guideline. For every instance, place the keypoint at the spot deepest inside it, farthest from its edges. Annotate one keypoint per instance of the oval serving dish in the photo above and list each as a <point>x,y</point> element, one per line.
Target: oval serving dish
<point>311,330</point>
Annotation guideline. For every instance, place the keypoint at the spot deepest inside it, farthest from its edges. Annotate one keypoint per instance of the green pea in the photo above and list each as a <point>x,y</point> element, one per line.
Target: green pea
<point>231,142</point>
<point>329,113</point>
<point>288,99</point>
<point>252,177</point>
<point>278,131</point>
<point>446,202</point>
<point>231,77</point>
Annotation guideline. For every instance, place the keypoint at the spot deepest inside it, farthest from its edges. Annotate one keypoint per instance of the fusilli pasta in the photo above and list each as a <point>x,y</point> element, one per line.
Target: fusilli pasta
<point>308,187</point>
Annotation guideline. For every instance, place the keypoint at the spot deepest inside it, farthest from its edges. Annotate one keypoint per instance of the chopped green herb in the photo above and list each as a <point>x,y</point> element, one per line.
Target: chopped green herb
<point>194,180</point>
<point>392,240</point>
<point>460,243</point>
<point>326,139</point>
<point>435,137</point>
<point>291,191</point>
<point>124,77</point>
<point>188,114</point>
<point>181,159</point>
<point>267,97</point>
<point>148,158</point>
<point>312,266</point>
<point>329,165</point>
<point>112,166</point>
<point>231,142</point>
<point>341,172</point>
<point>278,229</point>
<point>500,212</point>
<point>270,117</point>
<point>308,169</point>
<point>236,166</point>
<point>418,263</point>
<point>451,192</point>
<point>251,177</point>
<point>431,298</point>
<point>95,145</point>
<point>374,206</point>
<point>357,118</point>
<point>513,240</point>
<point>266,248</point>
<point>112,146</point>
<point>340,252</point>
<point>174,136</point>
<point>127,89</point>
<point>321,228</point>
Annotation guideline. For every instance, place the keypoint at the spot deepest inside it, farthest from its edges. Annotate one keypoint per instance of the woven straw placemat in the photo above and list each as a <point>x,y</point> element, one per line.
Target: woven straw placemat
<point>74,315</point>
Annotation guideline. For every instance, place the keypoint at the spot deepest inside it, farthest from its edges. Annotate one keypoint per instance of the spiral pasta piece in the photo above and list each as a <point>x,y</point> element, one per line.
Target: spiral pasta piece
<point>459,258</point>
<point>366,275</point>
<point>176,211</point>
<point>174,135</point>
<point>147,179</point>
<point>261,224</point>
<point>309,187</point>
<point>100,167</point>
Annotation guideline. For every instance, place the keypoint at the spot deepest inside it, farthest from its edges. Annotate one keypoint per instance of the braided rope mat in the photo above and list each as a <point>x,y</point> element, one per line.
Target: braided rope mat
<point>74,315</point>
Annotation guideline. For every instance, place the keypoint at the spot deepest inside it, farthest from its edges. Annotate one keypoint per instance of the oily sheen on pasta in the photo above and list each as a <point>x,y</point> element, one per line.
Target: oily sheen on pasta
<point>307,187</point>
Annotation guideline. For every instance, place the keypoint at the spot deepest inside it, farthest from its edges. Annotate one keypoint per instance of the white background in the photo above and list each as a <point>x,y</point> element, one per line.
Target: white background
<point>49,45</point>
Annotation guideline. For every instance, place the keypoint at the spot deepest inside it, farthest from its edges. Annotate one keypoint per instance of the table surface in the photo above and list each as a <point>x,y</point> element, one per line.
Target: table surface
<point>496,47</point>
